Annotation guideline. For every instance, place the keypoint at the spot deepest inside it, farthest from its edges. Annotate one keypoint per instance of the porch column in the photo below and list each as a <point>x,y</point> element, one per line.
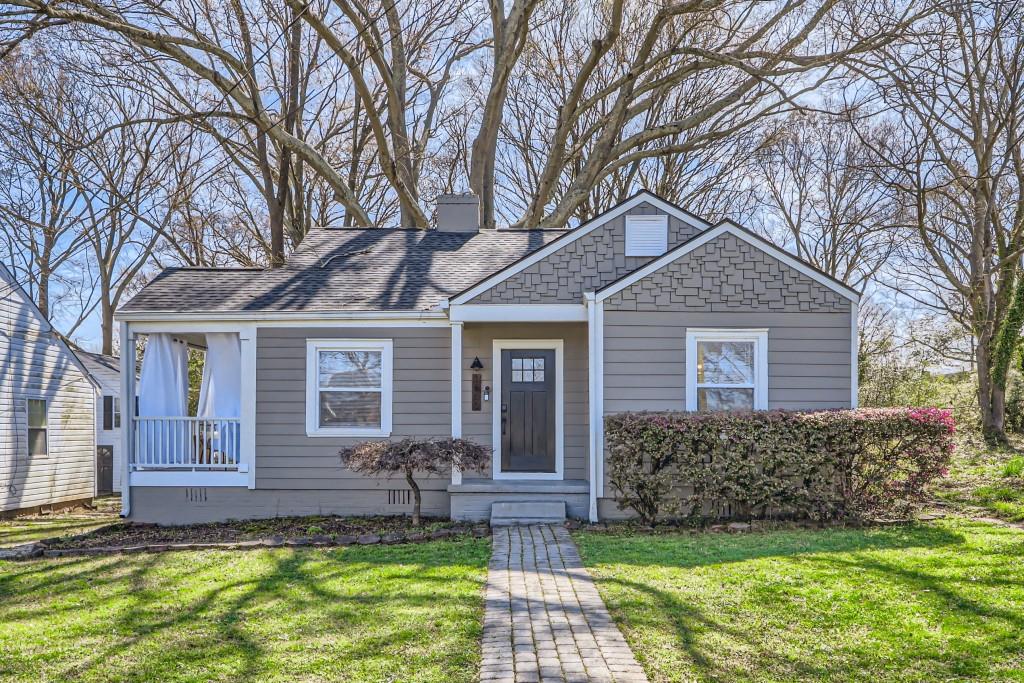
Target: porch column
<point>456,392</point>
<point>247,441</point>
<point>127,338</point>
<point>593,402</point>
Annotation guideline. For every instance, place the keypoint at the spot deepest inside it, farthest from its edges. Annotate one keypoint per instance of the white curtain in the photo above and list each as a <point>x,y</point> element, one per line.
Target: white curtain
<point>163,382</point>
<point>220,394</point>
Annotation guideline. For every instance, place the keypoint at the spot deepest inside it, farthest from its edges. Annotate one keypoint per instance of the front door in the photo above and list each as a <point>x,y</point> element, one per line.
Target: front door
<point>104,470</point>
<point>528,410</point>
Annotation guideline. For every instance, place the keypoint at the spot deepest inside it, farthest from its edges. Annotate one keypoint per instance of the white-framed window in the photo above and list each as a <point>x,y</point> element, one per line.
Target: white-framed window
<point>646,235</point>
<point>111,413</point>
<point>726,369</point>
<point>38,432</point>
<point>348,387</point>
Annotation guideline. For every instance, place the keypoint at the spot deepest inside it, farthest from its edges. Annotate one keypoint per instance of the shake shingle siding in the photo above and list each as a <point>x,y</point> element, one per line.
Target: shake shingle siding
<point>583,265</point>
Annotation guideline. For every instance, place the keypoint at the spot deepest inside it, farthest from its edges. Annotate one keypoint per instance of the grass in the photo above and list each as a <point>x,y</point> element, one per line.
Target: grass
<point>25,530</point>
<point>920,603</point>
<point>985,480</point>
<point>361,613</point>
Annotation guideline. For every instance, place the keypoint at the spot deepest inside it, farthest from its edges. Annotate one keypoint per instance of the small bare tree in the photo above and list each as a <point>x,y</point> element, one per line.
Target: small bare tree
<point>412,457</point>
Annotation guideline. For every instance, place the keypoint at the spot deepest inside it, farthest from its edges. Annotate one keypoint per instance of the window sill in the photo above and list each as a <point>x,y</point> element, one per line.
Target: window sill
<point>347,433</point>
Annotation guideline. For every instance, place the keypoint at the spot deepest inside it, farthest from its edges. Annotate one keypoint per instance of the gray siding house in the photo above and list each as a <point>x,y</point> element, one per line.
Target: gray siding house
<point>522,340</point>
<point>47,404</point>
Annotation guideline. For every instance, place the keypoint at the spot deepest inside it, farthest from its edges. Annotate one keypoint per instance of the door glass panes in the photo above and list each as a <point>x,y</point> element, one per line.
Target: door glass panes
<point>527,370</point>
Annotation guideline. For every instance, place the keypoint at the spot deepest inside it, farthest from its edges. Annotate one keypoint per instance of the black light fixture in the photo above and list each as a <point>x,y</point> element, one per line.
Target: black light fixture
<point>476,365</point>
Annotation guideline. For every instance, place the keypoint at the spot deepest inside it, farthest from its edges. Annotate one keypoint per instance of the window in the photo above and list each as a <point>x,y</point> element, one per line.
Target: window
<point>726,370</point>
<point>37,430</point>
<point>111,413</point>
<point>646,235</point>
<point>348,387</point>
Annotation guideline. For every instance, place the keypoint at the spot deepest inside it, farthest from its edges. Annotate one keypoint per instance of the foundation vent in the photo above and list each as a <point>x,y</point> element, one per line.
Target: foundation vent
<point>195,495</point>
<point>399,497</point>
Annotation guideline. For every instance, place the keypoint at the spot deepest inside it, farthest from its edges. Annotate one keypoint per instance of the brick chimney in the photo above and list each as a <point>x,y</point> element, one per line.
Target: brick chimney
<point>458,212</point>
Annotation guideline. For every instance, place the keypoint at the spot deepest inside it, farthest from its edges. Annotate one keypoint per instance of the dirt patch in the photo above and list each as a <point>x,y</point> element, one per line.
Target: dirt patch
<point>324,528</point>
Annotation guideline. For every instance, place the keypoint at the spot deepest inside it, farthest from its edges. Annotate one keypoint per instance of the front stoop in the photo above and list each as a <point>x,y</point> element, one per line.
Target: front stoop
<point>474,499</point>
<point>523,512</point>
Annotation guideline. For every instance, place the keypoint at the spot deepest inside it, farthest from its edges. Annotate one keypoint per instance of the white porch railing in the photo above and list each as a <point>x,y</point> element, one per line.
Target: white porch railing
<point>187,443</point>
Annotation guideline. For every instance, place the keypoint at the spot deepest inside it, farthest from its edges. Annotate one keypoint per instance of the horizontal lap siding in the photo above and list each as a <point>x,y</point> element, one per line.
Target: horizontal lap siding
<point>645,358</point>
<point>477,342</point>
<point>288,459</point>
<point>727,285</point>
<point>34,365</point>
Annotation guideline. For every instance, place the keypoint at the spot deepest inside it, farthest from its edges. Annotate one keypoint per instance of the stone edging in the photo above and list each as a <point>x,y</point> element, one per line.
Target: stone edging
<point>39,548</point>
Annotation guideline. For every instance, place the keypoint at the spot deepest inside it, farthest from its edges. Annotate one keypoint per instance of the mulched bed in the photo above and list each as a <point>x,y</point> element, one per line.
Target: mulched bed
<point>317,530</point>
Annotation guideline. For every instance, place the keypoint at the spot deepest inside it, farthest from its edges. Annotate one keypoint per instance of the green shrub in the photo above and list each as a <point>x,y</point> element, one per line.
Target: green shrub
<point>819,465</point>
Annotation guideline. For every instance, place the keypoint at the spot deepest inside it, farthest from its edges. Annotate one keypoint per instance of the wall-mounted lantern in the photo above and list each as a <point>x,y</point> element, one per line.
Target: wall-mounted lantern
<point>479,394</point>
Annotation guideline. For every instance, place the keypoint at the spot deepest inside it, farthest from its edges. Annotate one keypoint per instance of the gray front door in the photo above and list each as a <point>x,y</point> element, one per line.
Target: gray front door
<point>104,470</point>
<point>527,410</point>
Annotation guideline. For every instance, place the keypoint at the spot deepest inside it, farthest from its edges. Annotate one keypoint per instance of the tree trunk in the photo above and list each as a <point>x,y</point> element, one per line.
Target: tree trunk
<point>991,397</point>
<point>107,322</point>
<point>416,500</point>
<point>43,293</point>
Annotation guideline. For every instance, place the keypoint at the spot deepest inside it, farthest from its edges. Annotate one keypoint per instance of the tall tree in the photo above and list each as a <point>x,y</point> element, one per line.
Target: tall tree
<point>821,197</point>
<point>952,92</point>
<point>41,213</point>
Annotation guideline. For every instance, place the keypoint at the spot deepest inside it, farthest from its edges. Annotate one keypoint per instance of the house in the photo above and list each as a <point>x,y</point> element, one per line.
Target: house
<point>520,339</point>
<point>47,404</point>
<point>106,371</point>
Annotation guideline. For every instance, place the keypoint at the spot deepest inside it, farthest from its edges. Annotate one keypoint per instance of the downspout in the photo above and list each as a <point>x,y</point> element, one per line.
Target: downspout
<point>592,399</point>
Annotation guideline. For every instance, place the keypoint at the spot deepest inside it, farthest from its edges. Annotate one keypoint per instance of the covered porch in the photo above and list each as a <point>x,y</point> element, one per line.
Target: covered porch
<point>525,389</point>
<point>192,422</point>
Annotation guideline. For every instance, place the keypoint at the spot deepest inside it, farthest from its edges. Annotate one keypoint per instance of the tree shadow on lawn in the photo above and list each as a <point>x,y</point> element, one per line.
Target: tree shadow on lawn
<point>234,616</point>
<point>779,627</point>
<point>702,549</point>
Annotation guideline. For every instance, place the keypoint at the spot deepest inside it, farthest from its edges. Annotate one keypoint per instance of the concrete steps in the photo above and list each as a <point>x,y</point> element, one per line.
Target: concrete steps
<point>516,512</point>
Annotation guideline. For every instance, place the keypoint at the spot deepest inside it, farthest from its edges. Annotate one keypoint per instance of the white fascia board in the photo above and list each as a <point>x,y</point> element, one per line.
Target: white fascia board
<point>739,233</point>
<point>201,323</point>
<point>480,313</point>
<point>643,197</point>
<point>280,317</point>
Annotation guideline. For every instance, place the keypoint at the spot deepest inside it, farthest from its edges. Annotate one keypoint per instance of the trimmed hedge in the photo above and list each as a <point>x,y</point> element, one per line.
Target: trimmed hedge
<point>744,465</point>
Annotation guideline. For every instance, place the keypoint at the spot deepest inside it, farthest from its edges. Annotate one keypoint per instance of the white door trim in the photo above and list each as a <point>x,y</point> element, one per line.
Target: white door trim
<point>558,346</point>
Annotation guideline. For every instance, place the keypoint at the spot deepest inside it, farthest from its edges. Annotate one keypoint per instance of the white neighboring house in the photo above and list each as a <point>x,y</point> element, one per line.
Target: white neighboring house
<point>106,371</point>
<point>47,410</point>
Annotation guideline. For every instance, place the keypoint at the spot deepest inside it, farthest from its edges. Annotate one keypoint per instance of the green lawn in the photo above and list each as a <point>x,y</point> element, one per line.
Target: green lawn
<point>984,480</point>
<point>373,613</point>
<point>24,530</point>
<point>934,602</point>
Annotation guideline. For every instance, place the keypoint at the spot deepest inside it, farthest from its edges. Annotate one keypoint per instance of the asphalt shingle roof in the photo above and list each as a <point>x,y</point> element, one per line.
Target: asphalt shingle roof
<point>347,269</point>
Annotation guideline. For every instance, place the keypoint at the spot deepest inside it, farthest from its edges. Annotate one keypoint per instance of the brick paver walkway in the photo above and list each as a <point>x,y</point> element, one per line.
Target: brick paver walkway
<point>544,620</point>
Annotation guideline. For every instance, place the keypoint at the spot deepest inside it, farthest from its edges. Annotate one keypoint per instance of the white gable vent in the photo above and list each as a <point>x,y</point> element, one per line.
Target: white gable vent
<point>646,235</point>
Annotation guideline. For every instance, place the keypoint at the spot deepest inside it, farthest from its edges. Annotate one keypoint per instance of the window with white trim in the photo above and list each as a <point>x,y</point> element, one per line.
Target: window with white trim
<point>348,387</point>
<point>726,370</point>
<point>38,432</point>
<point>646,235</point>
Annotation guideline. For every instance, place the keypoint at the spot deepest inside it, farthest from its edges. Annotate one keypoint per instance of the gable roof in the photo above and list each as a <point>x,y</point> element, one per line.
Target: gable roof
<point>342,269</point>
<point>8,283</point>
<point>641,197</point>
<point>741,233</point>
